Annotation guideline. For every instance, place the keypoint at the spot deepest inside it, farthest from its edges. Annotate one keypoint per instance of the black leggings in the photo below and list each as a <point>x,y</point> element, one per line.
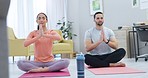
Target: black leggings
<point>104,60</point>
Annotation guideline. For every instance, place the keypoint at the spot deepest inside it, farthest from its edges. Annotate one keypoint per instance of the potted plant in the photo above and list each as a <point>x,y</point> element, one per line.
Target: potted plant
<point>66,28</point>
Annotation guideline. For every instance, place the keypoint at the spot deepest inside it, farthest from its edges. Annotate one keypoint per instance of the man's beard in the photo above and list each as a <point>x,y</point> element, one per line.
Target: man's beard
<point>100,24</point>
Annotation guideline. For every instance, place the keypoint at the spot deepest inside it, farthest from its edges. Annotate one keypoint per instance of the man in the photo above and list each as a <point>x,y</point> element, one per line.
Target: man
<point>98,43</point>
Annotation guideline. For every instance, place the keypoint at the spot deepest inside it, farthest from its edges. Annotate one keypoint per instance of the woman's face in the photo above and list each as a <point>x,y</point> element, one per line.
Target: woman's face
<point>41,19</point>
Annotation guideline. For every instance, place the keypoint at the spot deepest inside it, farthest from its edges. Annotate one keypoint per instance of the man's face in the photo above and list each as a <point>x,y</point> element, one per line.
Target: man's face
<point>99,20</point>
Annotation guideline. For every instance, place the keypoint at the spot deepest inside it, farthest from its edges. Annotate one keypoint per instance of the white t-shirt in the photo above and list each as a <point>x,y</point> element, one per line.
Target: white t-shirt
<point>94,35</point>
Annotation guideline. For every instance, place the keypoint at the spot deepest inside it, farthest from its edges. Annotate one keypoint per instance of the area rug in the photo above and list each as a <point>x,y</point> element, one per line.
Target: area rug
<point>61,73</point>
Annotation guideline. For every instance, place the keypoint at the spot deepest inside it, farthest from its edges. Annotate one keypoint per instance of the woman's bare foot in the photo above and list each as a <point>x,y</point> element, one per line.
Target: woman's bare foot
<point>40,69</point>
<point>120,64</point>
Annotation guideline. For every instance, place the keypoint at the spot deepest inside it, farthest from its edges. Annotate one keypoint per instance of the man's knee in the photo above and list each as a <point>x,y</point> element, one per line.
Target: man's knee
<point>87,56</point>
<point>88,59</point>
<point>122,51</point>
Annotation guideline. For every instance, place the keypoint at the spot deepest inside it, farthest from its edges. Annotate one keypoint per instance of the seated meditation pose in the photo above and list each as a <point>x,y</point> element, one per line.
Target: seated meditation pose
<point>99,42</point>
<point>42,38</point>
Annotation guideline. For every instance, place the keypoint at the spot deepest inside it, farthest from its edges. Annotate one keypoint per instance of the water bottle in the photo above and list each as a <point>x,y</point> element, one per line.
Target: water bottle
<point>80,65</point>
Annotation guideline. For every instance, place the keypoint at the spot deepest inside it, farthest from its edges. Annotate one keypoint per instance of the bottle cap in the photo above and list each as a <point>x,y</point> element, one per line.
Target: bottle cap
<point>80,56</point>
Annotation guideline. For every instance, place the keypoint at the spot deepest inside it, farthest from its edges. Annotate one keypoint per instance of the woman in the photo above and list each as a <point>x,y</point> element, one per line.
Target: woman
<point>42,40</point>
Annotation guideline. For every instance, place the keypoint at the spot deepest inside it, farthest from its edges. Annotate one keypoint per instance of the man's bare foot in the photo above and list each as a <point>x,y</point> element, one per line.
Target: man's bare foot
<point>40,69</point>
<point>120,64</point>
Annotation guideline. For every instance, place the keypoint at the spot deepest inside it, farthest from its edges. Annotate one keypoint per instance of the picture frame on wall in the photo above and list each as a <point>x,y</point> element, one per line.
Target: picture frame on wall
<point>96,6</point>
<point>135,3</point>
<point>143,4</point>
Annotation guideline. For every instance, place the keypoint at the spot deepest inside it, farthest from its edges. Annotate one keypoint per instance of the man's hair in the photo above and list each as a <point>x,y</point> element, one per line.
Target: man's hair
<point>97,13</point>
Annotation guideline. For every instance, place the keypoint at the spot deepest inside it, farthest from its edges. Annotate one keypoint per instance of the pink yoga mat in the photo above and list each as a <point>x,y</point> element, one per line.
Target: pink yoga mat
<point>61,73</point>
<point>114,70</point>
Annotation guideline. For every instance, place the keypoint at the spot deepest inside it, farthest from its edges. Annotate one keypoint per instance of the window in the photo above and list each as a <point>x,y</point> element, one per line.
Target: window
<point>22,14</point>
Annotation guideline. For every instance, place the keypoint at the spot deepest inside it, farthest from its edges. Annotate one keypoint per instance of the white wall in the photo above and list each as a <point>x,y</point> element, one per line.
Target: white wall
<point>120,12</point>
<point>117,13</point>
<point>73,16</point>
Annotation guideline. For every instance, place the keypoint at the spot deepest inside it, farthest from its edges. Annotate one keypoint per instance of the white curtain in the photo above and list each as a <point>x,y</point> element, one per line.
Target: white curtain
<point>20,17</point>
<point>12,16</point>
<point>22,14</point>
<point>38,7</point>
<point>56,10</point>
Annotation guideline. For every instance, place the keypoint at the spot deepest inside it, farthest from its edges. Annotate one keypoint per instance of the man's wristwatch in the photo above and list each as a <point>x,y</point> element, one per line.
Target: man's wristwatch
<point>107,41</point>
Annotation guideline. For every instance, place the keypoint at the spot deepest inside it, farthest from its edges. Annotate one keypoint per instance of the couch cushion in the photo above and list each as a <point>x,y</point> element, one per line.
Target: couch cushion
<point>61,47</point>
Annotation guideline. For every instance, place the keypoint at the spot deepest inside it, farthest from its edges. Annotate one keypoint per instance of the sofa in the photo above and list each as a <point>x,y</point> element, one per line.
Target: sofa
<point>63,46</point>
<point>16,47</point>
